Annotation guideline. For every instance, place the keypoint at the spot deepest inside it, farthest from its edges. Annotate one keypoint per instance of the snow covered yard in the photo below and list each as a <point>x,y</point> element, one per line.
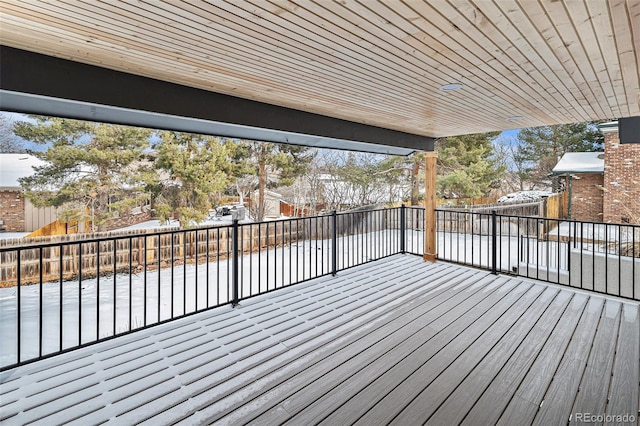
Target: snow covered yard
<point>79,312</point>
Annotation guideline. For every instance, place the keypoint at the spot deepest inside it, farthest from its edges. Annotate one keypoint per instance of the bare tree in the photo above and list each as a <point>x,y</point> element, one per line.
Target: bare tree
<point>9,142</point>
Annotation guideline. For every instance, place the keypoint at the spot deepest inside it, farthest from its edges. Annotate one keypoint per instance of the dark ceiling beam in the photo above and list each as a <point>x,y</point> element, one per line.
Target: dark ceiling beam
<point>40,84</point>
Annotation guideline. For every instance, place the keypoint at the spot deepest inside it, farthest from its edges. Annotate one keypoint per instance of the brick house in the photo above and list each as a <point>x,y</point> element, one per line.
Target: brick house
<point>621,177</point>
<point>17,214</point>
<point>16,211</point>
<point>584,174</point>
<point>603,186</point>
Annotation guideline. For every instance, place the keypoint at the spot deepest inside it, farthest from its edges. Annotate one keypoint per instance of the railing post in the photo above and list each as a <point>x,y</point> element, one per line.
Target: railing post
<point>334,242</point>
<point>494,244</point>
<point>234,263</point>
<point>403,228</point>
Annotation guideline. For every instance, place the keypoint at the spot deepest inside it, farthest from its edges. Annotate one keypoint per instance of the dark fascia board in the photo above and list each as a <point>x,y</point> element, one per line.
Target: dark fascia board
<point>629,130</point>
<point>39,84</point>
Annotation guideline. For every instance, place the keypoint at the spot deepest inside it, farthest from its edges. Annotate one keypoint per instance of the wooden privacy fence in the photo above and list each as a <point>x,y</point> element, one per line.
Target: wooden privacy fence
<point>552,207</point>
<point>481,223</point>
<point>557,206</point>
<point>465,201</point>
<point>92,257</point>
<point>73,256</point>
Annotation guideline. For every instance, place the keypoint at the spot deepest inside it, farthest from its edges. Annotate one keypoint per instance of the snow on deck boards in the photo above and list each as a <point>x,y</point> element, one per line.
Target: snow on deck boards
<point>396,340</point>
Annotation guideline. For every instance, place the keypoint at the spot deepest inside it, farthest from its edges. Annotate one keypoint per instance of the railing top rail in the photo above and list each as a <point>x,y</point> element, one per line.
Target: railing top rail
<point>496,206</point>
<point>551,219</point>
<point>107,238</point>
<point>156,233</point>
<point>470,212</point>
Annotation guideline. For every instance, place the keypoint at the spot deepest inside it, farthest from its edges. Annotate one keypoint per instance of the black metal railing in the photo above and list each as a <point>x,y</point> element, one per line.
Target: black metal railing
<point>599,257</point>
<point>61,296</point>
<point>414,230</point>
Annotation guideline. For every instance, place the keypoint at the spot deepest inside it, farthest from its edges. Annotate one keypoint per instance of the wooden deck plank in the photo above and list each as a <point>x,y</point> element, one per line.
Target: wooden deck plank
<point>455,405</point>
<point>421,408</point>
<point>396,340</point>
<point>209,403</point>
<point>95,369</point>
<point>195,376</point>
<point>529,396</point>
<point>399,385</point>
<point>594,387</point>
<point>204,384</point>
<point>495,398</point>
<point>354,371</point>
<point>559,398</point>
<point>623,398</point>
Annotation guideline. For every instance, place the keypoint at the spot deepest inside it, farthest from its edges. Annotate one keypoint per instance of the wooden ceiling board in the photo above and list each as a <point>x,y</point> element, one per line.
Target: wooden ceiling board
<point>484,70</point>
<point>316,61</point>
<point>374,62</point>
<point>624,26</point>
<point>428,86</point>
<point>199,67</point>
<point>361,51</point>
<point>427,49</point>
<point>513,30</point>
<point>389,95</point>
<point>582,69</point>
<point>599,53</point>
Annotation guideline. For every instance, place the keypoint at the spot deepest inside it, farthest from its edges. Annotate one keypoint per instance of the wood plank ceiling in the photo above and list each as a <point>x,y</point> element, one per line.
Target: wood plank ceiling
<point>522,63</point>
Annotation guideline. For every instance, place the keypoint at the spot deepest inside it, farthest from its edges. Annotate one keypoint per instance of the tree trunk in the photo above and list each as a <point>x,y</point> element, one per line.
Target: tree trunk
<point>262,180</point>
<point>100,212</point>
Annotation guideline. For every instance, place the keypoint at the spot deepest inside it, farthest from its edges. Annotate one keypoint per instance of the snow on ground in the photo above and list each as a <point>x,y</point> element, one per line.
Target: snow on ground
<point>152,224</point>
<point>175,224</point>
<point>11,235</point>
<point>113,305</point>
<point>598,232</point>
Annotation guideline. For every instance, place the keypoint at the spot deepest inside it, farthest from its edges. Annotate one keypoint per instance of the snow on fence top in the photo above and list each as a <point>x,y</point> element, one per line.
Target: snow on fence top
<point>524,196</point>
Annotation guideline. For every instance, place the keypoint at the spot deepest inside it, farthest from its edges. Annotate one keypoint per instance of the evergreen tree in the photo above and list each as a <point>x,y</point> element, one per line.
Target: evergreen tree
<point>91,171</point>
<point>274,164</point>
<point>540,148</point>
<point>467,167</point>
<point>194,170</point>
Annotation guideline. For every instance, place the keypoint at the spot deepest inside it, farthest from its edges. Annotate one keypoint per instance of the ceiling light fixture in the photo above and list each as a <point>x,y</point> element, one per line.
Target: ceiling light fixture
<point>451,87</point>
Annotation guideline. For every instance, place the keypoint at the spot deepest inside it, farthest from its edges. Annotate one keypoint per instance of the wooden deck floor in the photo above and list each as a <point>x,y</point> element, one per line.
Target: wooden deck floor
<point>394,341</point>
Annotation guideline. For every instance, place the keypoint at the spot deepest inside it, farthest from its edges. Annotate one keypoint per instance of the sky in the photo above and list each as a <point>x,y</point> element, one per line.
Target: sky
<point>507,137</point>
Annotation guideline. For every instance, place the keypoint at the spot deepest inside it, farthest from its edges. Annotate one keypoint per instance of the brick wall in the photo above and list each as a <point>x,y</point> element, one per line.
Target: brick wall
<point>587,197</point>
<point>12,210</point>
<point>621,180</point>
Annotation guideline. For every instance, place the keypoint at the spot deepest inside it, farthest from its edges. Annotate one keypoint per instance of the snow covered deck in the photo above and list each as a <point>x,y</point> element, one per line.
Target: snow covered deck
<point>396,340</point>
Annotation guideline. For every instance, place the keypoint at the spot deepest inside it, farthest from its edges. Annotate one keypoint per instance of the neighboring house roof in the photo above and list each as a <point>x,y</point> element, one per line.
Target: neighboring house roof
<point>269,194</point>
<point>580,162</point>
<point>16,166</point>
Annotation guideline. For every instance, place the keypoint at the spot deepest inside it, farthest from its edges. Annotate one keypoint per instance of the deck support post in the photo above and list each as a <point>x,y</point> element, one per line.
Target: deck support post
<point>430,248</point>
